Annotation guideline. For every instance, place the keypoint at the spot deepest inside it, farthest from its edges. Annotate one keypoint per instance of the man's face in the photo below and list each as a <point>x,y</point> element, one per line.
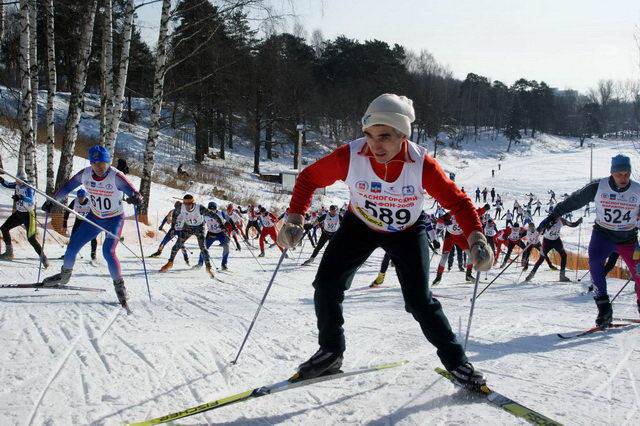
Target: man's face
<point>383,141</point>
<point>621,178</point>
<point>99,168</point>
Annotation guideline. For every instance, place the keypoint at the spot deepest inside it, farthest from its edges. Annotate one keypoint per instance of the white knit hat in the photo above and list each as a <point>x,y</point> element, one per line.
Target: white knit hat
<point>391,110</point>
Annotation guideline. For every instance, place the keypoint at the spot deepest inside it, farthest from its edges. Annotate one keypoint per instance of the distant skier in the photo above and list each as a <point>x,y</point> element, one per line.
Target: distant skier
<point>484,195</point>
<point>268,229</point>
<point>493,194</point>
<point>551,241</point>
<point>171,233</point>
<point>25,215</point>
<point>617,206</point>
<point>330,222</point>
<point>82,206</point>
<point>533,242</point>
<point>105,186</point>
<point>252,222</point>
<point>514,235</point>
<point>538,205</point>
<point>477,194</point>
<point>217,231</point>
<point>189,220</point>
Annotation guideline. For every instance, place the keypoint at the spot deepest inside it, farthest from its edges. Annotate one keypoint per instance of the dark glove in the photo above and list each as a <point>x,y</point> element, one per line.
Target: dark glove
<point>135,199</point>
<point>16,197</point>
<point>436,244</point>
<point>47,206</point>
<point>546,223</point>
<point>579,221</point>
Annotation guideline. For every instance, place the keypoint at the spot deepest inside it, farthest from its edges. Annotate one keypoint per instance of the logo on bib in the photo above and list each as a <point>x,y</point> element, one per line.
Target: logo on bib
<point>408,190</point>
<point>612,196</point>
<point>376,187</point>
<point>361,185</point>
<point>109,186</point>
<point>633,199</point>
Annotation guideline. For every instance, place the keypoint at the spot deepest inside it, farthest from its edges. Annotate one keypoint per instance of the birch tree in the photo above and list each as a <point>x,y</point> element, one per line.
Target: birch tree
<point>75,100</point>
<point>123,67</point>
<point>1,21</point>
<point>25,161</point>
<point>51,91</point>
<point>33,60</point>
<point>106,70</point>
<point>156,109</point>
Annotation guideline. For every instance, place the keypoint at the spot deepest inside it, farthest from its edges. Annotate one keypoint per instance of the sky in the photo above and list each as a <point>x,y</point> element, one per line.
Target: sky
<point>566,43</point>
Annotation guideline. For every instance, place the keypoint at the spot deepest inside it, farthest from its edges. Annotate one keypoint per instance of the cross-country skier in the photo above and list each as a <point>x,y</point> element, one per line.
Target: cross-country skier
<point>189,220</point>
<point>171,233</point>
<point>268,229</point>
<point>386,174</point>
<point>514,235</point>
<point>490,230</point>
<point>551,241</point>
<point>509,216</point>
<point>330,222</point>
<point>498,206</point>
<point>217,231</point>
<point>236,218</point>
<point>105,186</point>
<point>533,242</point>
<point>538,205</point>
<point>493,194</point>
<point>25,215</point>
<point>252,222</point>
<point>82,206</point>
<point>477,194</point>
<point>617,205</point>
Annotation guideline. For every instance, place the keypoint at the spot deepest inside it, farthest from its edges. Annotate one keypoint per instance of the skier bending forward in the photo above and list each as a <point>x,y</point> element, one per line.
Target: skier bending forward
<point>386,174</point>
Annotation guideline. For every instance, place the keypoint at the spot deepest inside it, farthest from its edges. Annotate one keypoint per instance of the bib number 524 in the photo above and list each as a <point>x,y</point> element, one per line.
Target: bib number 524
<point>401,217</point>
<point>615,216</point>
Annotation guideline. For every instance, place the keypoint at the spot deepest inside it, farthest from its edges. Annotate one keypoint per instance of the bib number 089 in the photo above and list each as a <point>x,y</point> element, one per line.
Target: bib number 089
<point>387,216</point>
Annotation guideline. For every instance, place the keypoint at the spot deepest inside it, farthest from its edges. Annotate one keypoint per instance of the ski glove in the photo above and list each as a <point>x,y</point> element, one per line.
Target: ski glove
<point>16,197</point>
<point>481,253</point>
<point>292,231</point>
<point>436,244</point>
<point>47,206</point>
<point>135,199</point>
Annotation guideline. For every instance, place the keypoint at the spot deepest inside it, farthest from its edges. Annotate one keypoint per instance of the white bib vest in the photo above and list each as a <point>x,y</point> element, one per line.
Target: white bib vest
<point>617,211</point>
<point>490,230</point>
<point>553,232</point>
<point>331,223</point>
<point>385,206</point>
<point>453,228</point>
<point>24,205</point>
<point>212,224</point>
<point>104,196</point>
<point>82,209</point>
<point>533,237</point>
<point>190,218</point>
<point>266,221</point>
<point>514,235</point>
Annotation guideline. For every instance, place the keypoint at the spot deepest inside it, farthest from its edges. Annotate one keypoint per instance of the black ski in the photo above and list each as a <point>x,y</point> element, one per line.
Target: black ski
<point>633,320</point>
<point>59,287</point>
<point>592,330</point>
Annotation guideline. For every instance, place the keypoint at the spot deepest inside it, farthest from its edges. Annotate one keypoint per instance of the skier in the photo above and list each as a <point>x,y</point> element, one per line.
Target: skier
<point>25,215</point>
<point>533,242</point>
<point>538,204</point>
<point>617,206</point>
<point>189,220</point>
<point>498,206</point>
<point>551,241</point>
<point>252,222</point>
<point>80,205</point>
<point>268,228</point>
<point>330,223</point>
<point>171,234</point>
<point>217,231</point>
<point>509,216</point>
<point>514,236</point>
<point>477,194</point>
<point>453,237</point>
<point>105,186</point>
<point>490,230</point>
<point>484,195</point>
<point>493,194</point>
<point>236,219</point>
<point>376,219</point>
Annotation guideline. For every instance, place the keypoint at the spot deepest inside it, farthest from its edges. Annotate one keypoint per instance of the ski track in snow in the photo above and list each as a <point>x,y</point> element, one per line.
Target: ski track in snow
<point>77,358</point>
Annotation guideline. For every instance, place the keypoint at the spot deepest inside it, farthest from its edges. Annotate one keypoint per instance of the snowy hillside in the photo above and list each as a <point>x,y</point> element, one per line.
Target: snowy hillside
<point>73,357</point>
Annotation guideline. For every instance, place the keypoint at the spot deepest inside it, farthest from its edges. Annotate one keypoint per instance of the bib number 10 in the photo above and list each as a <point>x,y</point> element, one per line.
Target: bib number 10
<point>401,217</point>
<point>615,216</point>
<point>100,203</point>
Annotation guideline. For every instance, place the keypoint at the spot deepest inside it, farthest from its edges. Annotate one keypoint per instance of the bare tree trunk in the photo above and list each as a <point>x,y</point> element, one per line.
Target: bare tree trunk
<point>106,71</point>
<point>75,100</point>
<point>1,21</point>
<point>33,59</point>
<point>230,129</point>
<point>26,117</point>
<point>256,134</point>
<point>51,92</point>
<point>156,109</point>
<point>123,68</point>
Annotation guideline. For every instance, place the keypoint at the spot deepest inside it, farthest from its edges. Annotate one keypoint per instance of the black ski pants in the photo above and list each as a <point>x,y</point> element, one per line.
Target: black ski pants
<point>184,235</point>
<point>547,246</point>
<point>349,248</point>
<point>16,219</point>
<point>324,237</point>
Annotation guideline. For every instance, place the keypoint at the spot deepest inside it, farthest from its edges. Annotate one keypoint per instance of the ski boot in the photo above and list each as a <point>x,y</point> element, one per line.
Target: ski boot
<point>460,268</point>
<point>61,278</point>
<point>469,276</point>
<point>157,253</point>
<point>525,267</point>
<point>469,377</point>
<point>261,254</point>
<point>309,261</point>
<point>198,266</point>
<point>186,260</point>
<point>45,261</point>
<point>530,276</point>
<point>553,268</point>
<point>378,281</point>
<point>8,254</point>
<point>210,271</point>
<point>322,363</point>
<point>590,289</point>
<point>167,266</point>
<point>121,293</point>
<point>437,280</point>
<point>563,277</point>
<point>605,312</point>
<point>224,268</point>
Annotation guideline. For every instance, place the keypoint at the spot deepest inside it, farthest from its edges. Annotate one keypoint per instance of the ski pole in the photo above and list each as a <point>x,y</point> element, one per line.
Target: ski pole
<point>44,237</point>
<point>584,275</point>
<point>578,255</point>
<point>144,264</point>
<point>264,297</point>
<point>620,291</point>
<point>254,256</point>
<point>497,276</point>
<point>52,235</point>
<point>473,304</point>
<point>301,248</point>
<point>79,216</point>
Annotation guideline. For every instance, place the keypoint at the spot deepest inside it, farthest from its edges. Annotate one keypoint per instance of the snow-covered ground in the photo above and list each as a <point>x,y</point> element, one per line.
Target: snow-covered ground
<point>71,357</point>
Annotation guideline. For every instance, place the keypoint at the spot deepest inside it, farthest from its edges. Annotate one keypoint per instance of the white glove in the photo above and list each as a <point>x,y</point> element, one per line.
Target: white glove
<point>481,253</point>
<point>292,231</point>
